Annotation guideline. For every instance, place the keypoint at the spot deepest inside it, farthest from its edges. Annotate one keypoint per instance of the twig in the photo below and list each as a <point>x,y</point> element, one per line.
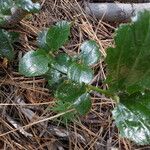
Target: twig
<point>17,125</point>
<point>34,104</point>
<point>36,122</point>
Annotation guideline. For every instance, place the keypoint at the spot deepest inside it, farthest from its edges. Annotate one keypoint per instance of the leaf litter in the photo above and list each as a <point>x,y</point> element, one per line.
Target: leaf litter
<point>27,101</point>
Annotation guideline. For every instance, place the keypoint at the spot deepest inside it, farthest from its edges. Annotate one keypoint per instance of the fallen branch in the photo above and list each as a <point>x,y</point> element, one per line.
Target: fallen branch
<point>115,12</point>
<point>122,1</point>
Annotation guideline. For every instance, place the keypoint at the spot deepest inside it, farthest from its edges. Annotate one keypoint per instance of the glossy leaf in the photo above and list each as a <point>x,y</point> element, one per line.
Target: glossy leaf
<point>62,63</point>
<point>5,7</point>
<point>90,53</point>
<point>80,73</point>
<point>41,40</point>
<point>58,35</point>
<point>34,63</point>
<point>28,5</point>
<point>70,91</point>
<point>6,48</point>
<point>54,78</point>
<point>129,62</point>
<point>83,104</point>
<point>132,117</point>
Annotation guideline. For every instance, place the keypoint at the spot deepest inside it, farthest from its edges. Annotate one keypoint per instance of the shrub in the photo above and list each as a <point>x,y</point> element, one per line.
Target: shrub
<point>69,77</point>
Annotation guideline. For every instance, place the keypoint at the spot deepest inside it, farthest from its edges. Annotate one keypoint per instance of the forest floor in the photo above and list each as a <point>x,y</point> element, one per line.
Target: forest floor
<point>27,102</point>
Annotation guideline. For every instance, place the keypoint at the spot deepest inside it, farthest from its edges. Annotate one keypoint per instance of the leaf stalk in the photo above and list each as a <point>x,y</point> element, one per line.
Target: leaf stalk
<point>101,91</point>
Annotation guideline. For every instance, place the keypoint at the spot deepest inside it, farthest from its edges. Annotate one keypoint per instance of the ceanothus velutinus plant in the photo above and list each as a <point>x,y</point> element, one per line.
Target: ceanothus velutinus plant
<point>128,69</point>
<point>128,74</point>
<point>69,77</point>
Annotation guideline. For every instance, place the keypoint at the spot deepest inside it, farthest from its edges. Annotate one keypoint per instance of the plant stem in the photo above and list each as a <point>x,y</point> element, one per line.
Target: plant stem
<point>94,88</point>
<point>101,91</point>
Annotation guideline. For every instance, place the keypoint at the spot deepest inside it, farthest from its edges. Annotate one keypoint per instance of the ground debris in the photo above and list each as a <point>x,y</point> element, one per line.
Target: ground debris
<point>23,101</point>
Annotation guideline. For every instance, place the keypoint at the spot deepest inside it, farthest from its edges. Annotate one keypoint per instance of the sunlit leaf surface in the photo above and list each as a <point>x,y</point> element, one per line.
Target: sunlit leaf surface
<point>132,117</point>
<point>90,53</point>
<point>80,73</point>
<point>34,63</point>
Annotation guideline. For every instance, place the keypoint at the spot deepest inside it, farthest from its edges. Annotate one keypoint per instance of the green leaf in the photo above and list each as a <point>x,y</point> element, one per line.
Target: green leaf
<point>83,104</point>
<point>58,35</point>
<point>132,117</point>
<point>61,107</point>
<point>90,53</point>
<point>6,48</point>
<point>28,5</point>
<point>34,63</point>
<point>80,73</point>
<point>5,7</point>
<point>13,36</point>
<point>62,63</point>
<point>69,91</point>
<point>41,40</point>
<point>71,95</point>
<point>129,62</point>
<point>54,78</point>
<point>2,20</point>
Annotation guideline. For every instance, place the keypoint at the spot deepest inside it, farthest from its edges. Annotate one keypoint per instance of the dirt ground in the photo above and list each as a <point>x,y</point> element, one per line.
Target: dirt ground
<point>27,102</point>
